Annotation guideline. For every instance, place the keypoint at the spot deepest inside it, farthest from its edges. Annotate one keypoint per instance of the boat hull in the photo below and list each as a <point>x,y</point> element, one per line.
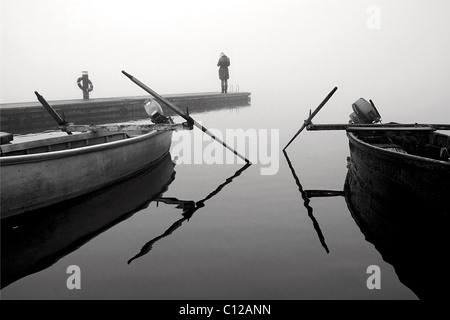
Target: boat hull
<point>384,171</point>
<point>29,182</point>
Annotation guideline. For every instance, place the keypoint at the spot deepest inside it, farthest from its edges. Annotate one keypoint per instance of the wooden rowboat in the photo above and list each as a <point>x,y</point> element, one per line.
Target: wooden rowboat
<point>39,173</point>
<point>397,189</point>
<point>413,160</point>
<point>413,156</point>
<point>36,174</point>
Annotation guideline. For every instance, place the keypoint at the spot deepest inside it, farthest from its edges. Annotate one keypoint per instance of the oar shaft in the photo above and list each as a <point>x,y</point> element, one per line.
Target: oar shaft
<point>378,126</point>
<point>321,105</point>
<point>181,113</point>
<point>159,98</point>
<point>198,125</point>
<point>308,121</point>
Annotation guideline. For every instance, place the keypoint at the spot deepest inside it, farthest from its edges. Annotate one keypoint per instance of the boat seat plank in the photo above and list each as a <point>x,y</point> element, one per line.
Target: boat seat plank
<point>61,143</point>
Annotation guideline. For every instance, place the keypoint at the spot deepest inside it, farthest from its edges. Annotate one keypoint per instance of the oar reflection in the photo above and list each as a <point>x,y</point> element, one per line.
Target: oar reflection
<point>189,207</point>
<point>307,195</point>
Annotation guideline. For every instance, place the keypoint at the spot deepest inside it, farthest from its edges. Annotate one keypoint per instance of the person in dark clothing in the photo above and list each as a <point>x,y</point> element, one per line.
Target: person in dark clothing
<point>224,63</point>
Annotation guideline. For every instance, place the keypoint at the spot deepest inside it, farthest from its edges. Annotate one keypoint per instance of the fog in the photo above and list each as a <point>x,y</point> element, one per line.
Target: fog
<point>396,52</point>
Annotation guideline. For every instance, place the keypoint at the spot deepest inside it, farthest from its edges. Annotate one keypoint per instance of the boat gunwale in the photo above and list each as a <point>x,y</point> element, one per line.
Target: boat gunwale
<point>416,159</point>
<point>46,156</point>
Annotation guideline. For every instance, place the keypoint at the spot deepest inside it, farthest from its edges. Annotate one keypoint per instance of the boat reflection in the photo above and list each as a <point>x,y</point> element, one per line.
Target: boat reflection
<point>189,207</point>
<point>411,234</point>
<point>36,240</point>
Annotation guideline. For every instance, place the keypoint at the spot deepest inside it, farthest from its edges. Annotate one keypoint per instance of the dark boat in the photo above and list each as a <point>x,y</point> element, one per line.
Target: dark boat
<point>35,240</point>
<point>413,156</point>
<point>397,189</point>
<point>409,159</point>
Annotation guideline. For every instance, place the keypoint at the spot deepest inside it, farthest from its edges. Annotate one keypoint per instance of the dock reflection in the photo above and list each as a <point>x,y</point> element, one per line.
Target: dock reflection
<point>411,234</point>
<point>36,240</point>
<point>189,207</point>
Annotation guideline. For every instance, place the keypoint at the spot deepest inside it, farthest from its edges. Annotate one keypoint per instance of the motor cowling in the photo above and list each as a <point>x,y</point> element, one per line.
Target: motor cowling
<point>364,112</point>
<point>155,112</point>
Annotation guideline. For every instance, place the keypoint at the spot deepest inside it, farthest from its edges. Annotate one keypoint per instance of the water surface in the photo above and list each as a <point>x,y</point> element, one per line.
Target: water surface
<point>222,231</point>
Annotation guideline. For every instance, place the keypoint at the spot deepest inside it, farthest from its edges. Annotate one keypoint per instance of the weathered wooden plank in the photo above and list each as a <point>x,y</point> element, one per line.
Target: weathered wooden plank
<point>390,129</point>
<point>45,143</point>
<point>323,193</point>
<point>387,126</point>
<point>126,127</point>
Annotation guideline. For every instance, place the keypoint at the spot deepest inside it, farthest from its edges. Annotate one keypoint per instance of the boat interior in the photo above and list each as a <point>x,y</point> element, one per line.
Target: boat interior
<point>61,143</point>
<point>423,144</point>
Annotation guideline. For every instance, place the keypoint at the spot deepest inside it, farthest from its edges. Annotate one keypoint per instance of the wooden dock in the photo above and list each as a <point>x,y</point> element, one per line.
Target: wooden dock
<point>32,117</point>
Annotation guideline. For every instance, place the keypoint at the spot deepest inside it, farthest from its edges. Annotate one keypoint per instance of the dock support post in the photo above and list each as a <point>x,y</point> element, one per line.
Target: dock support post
<point>85,84</point>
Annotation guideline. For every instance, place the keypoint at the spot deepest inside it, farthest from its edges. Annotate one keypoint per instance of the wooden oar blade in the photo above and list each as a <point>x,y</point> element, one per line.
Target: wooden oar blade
<point>52,112</point>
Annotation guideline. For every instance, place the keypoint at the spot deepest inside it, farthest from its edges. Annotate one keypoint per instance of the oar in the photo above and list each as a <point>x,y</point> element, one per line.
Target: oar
<point>178,111</point>
<point>311,116</point>
<point>51,111</point>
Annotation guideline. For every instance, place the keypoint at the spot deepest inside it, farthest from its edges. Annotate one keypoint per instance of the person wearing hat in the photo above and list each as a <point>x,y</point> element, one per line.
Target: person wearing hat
<point>224,63</point>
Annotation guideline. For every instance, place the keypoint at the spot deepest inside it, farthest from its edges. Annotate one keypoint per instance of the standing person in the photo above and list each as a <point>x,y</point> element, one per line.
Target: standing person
<point>224,63</point>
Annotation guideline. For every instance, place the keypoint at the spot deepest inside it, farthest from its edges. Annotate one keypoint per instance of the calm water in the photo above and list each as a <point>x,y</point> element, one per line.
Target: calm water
<point>249,236</point>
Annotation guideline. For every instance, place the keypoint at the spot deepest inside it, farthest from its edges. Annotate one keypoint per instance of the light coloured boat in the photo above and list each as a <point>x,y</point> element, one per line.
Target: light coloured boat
<point>39,173</point>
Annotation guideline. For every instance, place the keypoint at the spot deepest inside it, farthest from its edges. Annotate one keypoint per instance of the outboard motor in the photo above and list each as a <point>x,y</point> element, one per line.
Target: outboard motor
<point>155,112</point>
<point>364,112</point>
